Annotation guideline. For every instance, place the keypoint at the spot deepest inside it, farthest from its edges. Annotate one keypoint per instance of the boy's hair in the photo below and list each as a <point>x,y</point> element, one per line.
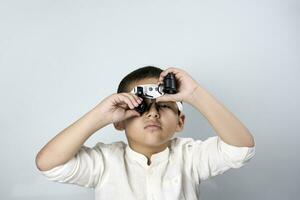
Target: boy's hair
<point>137,75</point>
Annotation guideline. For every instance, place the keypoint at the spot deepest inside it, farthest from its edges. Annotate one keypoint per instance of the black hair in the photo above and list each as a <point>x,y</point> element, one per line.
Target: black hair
<point>137,75</point>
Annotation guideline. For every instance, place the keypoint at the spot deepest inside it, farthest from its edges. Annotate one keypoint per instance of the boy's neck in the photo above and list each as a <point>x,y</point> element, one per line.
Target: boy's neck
<point>146,150</point>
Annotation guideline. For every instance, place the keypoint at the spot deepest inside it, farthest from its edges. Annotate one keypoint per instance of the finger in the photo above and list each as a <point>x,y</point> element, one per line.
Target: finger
<point>131,113</point>
<point>167,97</point>
<point>127,100</point>
<point>137,98</point>
<point>133,98</point>
<point>135,101</point>
<point>123,105</point>
<point>177,72</point>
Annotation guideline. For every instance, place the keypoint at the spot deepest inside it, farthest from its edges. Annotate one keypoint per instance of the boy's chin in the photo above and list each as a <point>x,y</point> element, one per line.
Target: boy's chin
<point>154,142</point>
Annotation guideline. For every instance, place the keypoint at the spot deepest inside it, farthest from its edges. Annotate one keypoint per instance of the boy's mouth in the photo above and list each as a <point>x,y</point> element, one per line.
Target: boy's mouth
<point>152,125</point>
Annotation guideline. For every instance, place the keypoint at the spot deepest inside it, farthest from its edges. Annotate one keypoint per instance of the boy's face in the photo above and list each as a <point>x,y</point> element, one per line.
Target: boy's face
<point>165,117</point>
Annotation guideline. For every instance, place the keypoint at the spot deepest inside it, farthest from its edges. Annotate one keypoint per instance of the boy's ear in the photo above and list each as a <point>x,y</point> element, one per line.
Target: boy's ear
<point>180,124</point>
<point>119,125</point>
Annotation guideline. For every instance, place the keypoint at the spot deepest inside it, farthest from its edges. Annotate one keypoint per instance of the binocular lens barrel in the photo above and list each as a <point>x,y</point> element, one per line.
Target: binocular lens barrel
<point>170,84</point>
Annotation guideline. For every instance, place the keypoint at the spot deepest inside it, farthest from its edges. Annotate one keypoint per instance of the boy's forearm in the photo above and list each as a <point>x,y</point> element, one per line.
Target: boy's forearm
<point>226,125</point>
<point>67,143</point>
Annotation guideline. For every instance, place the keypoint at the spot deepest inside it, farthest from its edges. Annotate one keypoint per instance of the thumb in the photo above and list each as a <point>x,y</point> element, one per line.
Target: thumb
<point>167,97</point>
<point>131,113</point>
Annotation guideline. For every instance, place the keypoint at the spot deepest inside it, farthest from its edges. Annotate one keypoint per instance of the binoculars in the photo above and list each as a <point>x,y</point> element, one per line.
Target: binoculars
<point>152,91</point>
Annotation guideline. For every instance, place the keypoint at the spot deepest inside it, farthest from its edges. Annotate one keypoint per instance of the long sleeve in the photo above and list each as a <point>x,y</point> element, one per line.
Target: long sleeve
<point>84,169</point>
<point>213,156</point>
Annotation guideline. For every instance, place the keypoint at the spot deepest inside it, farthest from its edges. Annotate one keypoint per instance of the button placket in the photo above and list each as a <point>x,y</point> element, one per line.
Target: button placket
<point>151,183</point>
<point>150,171</point>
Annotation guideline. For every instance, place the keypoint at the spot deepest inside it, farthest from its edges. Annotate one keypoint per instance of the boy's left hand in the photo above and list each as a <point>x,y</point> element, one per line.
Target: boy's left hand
<point>186,86</point>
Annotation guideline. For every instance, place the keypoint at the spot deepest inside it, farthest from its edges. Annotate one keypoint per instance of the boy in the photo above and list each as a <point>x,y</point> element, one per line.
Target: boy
<point>154,164</point>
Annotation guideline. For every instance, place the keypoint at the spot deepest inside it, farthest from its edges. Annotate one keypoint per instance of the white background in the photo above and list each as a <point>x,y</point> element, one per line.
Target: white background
<point>58,59</point>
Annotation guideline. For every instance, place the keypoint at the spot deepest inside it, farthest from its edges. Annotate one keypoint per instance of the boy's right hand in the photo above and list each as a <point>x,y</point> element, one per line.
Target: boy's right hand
<point>118,107</point>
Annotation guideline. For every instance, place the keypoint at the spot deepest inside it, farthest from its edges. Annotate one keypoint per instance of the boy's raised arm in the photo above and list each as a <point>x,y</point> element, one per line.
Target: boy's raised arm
<point>67,143</point>
<point>224,122</point>
<point>226,125</point>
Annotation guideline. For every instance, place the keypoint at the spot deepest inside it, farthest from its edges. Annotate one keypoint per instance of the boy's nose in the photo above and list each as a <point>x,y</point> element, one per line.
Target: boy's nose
<point>153,112</point>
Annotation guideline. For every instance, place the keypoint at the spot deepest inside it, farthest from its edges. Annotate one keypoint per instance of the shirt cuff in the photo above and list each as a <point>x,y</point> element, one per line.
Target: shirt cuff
<point>235,156</point>
<point>60,172</point>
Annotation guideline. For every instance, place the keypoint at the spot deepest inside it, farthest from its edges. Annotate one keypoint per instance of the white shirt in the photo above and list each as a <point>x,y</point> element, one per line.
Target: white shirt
<point>118,172</point>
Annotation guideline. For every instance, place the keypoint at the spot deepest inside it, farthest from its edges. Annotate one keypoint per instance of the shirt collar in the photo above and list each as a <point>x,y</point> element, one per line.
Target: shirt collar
<point>156,158</point>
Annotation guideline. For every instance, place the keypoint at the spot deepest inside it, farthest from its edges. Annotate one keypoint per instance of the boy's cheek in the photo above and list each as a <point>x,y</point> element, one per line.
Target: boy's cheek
<point>130,120</point>
<point>133,123</point>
